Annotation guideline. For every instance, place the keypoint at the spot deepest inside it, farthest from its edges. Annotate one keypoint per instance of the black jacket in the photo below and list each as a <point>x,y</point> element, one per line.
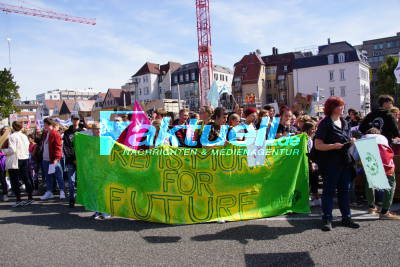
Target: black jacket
<point>68,146</point>
<point>384,121</point>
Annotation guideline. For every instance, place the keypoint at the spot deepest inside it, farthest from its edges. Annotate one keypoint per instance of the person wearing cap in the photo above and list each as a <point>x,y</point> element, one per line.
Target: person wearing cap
<point>17,155</point>
<point>69,154</point>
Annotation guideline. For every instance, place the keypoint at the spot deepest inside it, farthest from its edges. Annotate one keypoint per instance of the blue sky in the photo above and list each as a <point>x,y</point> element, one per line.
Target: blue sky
<point>49,54</point>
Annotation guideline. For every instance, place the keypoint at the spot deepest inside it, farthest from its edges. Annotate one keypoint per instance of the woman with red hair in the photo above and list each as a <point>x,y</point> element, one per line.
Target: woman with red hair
<point>332,141</point>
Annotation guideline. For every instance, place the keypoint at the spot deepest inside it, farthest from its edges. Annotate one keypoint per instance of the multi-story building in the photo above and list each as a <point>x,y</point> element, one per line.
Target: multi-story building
<point>377,50</point>
<point>337,70</point>
<point>186,78</point>
<point>58,94</point>
<point>279,77</point>
<point>98,104</point>
<point>249,81</point>
<point>151,81</point>
<point>116,98</point>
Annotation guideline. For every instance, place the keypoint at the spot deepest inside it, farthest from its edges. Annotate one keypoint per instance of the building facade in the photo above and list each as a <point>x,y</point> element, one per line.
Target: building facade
<point>186,78</point>
<point>249,81</point>
<point>337,70</point>
<point>279,77</point>
<point>377,50</point>
<point>116,98</point>
<point>58,94</point>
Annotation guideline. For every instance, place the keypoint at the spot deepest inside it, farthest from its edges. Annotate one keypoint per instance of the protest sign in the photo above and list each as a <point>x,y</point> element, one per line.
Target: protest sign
<point>179,185</point>
<point>371,160</point>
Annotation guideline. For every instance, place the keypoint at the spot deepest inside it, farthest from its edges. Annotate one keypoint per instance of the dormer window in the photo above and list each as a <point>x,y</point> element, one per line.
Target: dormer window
<point>330,59</point>
<point>341,58</point>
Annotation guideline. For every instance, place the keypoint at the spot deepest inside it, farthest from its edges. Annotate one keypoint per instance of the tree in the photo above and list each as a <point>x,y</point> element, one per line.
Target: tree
<point>386,82</point>
<point>8,93</point>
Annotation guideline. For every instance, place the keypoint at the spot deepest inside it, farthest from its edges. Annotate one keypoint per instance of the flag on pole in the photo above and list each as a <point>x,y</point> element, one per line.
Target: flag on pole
<point>397,71</point>
<point>225,89</point>
<point>371,160</point>
<point>213,95</point>
<point>133,135</point>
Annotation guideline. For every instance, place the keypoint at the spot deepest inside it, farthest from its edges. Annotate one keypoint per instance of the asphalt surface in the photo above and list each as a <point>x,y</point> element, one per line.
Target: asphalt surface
<point>52,234</point>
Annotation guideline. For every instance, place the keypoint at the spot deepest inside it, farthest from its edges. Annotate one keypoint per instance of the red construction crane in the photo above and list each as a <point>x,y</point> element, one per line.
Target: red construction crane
<point>44,14</point>
<point>204,47</point>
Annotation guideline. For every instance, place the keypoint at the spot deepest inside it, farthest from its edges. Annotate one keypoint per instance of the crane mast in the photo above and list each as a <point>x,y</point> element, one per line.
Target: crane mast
<point>204,49</point>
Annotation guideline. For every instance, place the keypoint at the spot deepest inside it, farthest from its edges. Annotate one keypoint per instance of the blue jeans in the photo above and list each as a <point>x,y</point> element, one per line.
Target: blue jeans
<point>71,169</point>
<point>58,175</point>
<point>336,177</point>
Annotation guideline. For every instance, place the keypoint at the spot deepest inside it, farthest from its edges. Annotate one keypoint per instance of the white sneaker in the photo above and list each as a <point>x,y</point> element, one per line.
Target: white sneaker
<point>47,195</point>
<point>62,195</point>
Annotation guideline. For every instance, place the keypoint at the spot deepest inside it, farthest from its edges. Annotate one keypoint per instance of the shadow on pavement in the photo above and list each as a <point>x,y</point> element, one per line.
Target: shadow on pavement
<point>162,239</point>
<point>279,259</point>
<point>58,216</point>
<point>258,232</point>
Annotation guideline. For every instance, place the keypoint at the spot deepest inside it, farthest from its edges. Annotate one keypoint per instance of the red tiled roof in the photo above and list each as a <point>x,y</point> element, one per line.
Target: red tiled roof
<point>252,65</point>
<point>148,68</point>
<point>69,103</point>
<point>26,113</point>
<point>169,66</point>
<point>51,104</point>
<point>114,92</point>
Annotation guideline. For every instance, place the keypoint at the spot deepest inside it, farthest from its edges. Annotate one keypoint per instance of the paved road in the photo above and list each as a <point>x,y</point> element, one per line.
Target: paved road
<point>51,234</point>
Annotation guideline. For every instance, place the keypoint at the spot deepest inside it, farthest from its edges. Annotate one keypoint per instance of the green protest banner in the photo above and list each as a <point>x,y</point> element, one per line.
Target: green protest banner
<point>177,185</point>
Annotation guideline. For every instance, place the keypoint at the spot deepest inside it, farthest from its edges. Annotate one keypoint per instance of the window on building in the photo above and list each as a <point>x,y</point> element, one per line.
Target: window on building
<point>216,77</point>
<point>146,90</point>
<point>193,76</point>
<point>331,59</point>
<point>332,91</point>
<point>175,78</point>
<point>269,84</point>
<point>341,58</point>
<point>221,77</point>
<point>364,74</point>
<point>285,68</point>
<point>342,78</point>
<point>244,69</point>
<point>140,91</point>
<point>343,91</point>
<point>181,78</point>
<point>331,75</point>
<point>187,77</point>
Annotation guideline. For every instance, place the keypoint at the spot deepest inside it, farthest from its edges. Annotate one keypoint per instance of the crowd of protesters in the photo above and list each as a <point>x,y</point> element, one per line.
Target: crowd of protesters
<point>331,153</point>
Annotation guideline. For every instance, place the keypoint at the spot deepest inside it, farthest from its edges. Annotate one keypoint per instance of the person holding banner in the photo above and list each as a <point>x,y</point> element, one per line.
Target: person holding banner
<point>332,141</point>
<point>387,159</point>
<point>69,153</point>
<point>285,128</point>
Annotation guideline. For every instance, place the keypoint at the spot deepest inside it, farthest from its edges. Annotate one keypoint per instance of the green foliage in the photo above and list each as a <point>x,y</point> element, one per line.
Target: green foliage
<point>8,93</point>
<point>386,83</point>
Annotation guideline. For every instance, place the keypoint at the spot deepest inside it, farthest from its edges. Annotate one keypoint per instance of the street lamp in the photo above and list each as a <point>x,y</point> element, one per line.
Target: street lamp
<point>135,84</point>
<point>8,39</point>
